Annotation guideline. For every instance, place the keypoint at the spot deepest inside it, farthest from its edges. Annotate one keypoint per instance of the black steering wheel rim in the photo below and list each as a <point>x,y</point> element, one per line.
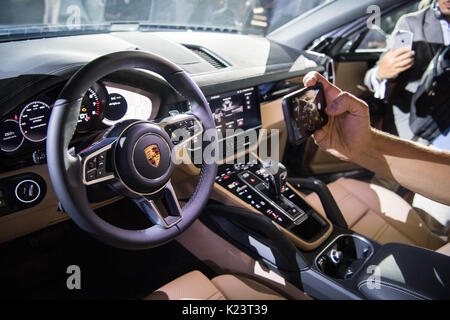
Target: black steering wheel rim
<point>65,168</point>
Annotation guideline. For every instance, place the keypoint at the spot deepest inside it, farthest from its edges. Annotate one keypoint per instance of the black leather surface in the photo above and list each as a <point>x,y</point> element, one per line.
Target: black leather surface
<point>407,273</point>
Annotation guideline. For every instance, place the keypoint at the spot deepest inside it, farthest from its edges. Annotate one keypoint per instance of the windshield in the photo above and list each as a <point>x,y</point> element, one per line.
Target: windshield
<point>32,18</point>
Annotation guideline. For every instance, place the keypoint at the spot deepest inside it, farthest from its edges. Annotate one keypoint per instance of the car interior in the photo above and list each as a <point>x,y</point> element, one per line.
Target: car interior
<point>89,123</point>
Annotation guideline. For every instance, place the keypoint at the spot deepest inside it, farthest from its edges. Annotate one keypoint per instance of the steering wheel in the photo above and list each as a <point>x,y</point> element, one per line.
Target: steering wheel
<point>133,157</point>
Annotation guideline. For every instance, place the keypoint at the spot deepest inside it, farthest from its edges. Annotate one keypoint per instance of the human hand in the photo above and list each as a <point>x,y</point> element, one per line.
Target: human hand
<point>395,62</point>
<point>348,130</point>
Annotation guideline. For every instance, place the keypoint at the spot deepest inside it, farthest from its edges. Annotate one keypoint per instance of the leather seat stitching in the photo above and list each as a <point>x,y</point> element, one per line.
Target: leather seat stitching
<point>393,286</point>
<point>360,218</point>
<point>215,293</point>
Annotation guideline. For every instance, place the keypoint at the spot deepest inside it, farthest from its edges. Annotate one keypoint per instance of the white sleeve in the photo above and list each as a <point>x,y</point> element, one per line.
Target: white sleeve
<point>379,88</point>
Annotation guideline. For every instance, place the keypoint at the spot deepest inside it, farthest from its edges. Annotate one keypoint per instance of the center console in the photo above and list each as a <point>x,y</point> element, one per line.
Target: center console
<point>266,191</point>
<point>329,261</point>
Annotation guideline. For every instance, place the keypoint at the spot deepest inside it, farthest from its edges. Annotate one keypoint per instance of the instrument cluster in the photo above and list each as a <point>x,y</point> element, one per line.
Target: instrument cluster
<point>102,106</point>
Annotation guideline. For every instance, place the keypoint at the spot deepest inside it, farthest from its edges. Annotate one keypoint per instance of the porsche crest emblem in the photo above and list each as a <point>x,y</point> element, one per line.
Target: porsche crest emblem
<point>153,155</point>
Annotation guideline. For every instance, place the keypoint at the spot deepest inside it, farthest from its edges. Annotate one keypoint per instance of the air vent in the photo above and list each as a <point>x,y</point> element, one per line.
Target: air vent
<point>208,57</point>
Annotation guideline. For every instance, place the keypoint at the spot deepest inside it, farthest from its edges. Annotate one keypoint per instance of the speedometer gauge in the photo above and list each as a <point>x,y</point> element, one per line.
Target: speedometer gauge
<point>33,121</point>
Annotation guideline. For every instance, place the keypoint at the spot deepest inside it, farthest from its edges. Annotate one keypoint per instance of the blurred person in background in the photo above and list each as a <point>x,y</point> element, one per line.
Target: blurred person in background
<point>397,74</point>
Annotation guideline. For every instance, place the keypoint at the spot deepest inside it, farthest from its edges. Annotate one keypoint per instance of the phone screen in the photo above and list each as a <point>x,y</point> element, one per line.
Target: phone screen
<point>305,113</point>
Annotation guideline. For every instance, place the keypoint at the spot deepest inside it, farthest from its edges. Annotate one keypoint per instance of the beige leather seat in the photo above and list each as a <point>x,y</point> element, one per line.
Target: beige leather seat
<point>196,286</point>
<point>380,214</point>
<point>444,249</point>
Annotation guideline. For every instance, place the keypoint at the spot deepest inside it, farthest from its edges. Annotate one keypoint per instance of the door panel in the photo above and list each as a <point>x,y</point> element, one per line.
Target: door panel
<point>323,162</point>
<point>350,77</point>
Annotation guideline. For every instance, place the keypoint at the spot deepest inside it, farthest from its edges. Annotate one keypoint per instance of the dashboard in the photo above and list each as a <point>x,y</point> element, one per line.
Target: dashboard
<point>242,94</point>
<point>104,105</point>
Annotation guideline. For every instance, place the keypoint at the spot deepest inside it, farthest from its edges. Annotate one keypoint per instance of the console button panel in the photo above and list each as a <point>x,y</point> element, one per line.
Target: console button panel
<point>250,183</point>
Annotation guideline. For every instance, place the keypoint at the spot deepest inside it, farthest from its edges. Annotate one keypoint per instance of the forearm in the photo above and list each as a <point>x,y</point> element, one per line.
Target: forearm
<point>421,169</point>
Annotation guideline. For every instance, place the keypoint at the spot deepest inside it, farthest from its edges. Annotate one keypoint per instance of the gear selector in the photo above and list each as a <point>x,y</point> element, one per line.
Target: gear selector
<point>277,177</point>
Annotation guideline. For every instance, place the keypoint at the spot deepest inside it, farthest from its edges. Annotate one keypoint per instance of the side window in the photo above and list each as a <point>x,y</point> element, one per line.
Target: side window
<point>376,38</point>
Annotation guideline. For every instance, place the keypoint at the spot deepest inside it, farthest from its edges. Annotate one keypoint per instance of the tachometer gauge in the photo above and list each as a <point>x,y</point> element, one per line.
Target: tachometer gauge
<point>10,136</point>
<point>92,107</point>
<point>33,121</point>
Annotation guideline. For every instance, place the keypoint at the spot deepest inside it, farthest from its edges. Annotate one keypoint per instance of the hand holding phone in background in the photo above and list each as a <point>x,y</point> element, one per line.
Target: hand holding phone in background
<point>399,58</point>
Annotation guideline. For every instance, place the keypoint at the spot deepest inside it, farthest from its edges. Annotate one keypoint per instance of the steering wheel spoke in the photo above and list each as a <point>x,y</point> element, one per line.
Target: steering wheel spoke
<point>95,162</point>
<point>165,210</point>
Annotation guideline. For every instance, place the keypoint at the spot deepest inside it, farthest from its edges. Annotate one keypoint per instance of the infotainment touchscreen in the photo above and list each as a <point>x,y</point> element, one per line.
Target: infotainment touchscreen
<point>236,110</point>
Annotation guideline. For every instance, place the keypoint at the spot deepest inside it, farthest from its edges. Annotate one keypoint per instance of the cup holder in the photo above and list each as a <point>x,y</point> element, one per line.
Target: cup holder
<point>343,257</point>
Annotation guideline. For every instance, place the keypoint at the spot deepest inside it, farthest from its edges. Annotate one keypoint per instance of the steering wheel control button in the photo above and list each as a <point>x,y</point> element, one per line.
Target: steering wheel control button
<point>27,191</point>
<point>91,164</point>
<point>95,167</point>
<point>91,175</point>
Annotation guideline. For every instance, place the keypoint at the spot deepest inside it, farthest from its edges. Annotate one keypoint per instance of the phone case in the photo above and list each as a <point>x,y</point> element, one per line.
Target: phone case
<point>403,38</point>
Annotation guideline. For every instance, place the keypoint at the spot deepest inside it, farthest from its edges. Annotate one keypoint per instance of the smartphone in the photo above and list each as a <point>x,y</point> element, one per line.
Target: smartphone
<point>304,113</point>
<point>402,39</point>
